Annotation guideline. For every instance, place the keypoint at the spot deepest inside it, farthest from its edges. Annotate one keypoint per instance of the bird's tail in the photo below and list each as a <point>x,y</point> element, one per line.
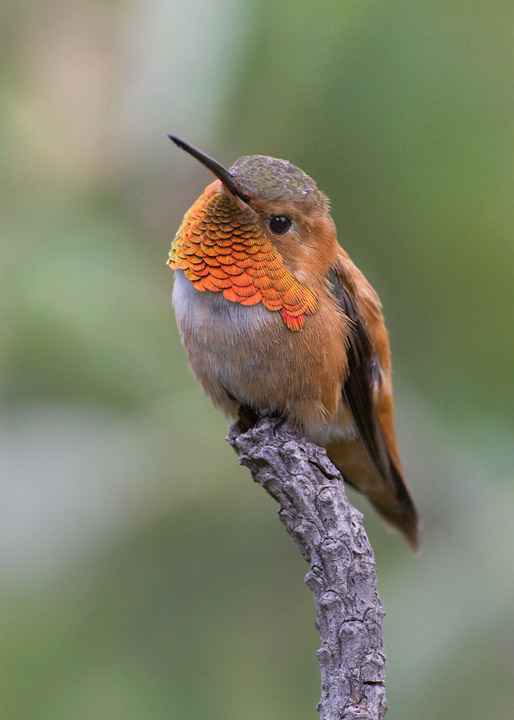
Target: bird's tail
<point>387,491</point>
<point>397,508</point>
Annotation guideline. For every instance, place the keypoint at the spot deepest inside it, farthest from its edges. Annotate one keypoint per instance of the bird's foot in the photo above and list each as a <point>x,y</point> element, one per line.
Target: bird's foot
<point>279,421</point>
<point>248,418</point>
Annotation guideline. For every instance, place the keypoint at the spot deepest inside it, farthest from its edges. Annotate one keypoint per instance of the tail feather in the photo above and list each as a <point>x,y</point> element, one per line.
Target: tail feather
<point>389,495</point>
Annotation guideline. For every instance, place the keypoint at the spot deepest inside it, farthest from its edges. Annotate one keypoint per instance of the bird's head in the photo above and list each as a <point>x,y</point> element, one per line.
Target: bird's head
<point>279,201</point>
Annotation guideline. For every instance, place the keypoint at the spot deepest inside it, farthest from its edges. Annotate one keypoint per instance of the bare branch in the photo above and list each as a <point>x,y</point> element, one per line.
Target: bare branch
<point>342,574</point>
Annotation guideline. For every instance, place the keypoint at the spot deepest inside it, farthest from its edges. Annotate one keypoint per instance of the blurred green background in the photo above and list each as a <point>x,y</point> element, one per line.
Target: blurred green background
<point>143,575</point>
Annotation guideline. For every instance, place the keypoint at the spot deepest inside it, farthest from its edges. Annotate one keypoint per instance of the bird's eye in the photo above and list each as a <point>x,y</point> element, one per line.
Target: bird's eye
<point>279,224</point>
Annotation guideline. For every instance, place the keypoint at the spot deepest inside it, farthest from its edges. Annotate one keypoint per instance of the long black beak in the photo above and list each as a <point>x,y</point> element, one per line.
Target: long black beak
<point>226,178</point>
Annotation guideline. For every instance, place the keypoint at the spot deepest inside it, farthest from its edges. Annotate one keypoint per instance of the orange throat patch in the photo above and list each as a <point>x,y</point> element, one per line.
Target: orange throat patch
<point>220,249</point>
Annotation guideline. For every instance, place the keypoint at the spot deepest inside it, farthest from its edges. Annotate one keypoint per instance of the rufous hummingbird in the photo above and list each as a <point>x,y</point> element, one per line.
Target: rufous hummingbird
<point>277,320</point>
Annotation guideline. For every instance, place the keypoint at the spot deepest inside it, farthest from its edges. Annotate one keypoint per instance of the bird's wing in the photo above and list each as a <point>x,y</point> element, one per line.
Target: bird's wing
<point>363,375</point>
<point>362,387</point>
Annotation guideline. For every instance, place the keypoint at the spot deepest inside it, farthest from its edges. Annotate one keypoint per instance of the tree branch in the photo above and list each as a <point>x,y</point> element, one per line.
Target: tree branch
<point>342,576</point>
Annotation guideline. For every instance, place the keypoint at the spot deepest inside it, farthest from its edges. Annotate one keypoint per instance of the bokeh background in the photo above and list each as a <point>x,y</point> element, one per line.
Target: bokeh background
<point>143,575</point>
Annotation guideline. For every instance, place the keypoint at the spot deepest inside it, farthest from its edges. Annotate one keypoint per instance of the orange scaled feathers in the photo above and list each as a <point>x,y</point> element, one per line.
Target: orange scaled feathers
<point>222,249</point>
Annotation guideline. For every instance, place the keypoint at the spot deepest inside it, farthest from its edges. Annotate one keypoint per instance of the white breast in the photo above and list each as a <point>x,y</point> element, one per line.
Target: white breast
<point>209,313</point>
<point>227,344</point>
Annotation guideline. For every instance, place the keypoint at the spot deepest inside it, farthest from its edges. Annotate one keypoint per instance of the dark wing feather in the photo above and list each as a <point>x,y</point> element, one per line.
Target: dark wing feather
<point>362,375</point>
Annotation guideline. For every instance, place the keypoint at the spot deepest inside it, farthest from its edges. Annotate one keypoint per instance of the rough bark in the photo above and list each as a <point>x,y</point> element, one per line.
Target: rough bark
<point>342,575</point>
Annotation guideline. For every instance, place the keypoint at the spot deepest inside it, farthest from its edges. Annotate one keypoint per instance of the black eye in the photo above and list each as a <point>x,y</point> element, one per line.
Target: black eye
<point>279,224</point>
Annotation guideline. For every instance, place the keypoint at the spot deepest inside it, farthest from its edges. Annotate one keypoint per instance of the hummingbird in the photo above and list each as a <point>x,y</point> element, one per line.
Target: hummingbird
<point>277,320</point>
